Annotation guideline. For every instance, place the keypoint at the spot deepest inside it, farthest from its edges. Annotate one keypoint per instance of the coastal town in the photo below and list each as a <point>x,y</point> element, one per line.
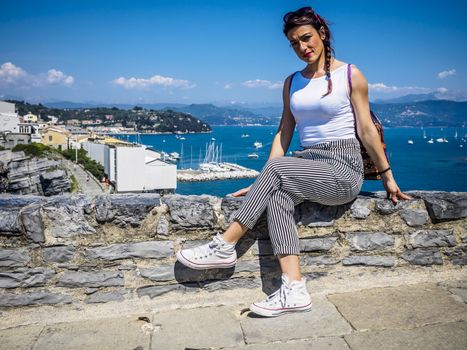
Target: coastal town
<point>126,166</point>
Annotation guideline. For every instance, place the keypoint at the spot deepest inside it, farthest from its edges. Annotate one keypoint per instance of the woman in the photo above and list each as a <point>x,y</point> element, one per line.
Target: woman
<point>328,102</point>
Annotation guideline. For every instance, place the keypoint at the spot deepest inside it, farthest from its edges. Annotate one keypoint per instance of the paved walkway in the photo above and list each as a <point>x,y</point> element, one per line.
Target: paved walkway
<point>428,316</point>
<point>87,183</point>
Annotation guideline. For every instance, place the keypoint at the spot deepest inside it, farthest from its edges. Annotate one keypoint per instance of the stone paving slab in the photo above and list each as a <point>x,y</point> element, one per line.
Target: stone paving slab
<point>19,338</point>
<point>399,307</point>
<point>323,320</point>
<point>458,288</point>
<point>449,336</point>
<point>197,328</point>
<point>326,343</point>
<point>103,334</point>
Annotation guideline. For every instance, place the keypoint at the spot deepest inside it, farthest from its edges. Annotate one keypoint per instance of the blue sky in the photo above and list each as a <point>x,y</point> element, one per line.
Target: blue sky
<point>220,51</point>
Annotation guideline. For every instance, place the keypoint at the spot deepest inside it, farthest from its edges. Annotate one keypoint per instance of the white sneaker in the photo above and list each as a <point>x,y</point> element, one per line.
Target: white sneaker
<point>290,297</point>
<point>215,254</point>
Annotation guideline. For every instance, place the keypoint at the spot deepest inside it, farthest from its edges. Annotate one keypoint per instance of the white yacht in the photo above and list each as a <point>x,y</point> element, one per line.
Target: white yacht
<point>410,142</point>
<point>430,141</point>
<point>245,135</point>
<point>257,144</point>
<point>253,156</point>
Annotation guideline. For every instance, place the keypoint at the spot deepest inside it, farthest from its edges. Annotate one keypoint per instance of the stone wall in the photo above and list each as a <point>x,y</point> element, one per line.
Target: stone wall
<point>79,249</point>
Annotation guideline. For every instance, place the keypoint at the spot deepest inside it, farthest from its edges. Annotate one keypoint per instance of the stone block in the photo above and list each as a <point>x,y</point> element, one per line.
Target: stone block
<point>369,260</point>
<point>457,256</point>
<point>323,320</point>
<point>155,291</point>
<point>360,208</point>
<point>316,215</point>
<point>34,298</point>
<point>191,212</point>
<point>232,283</point>
<point>325,343</point>
<point>24,277</point>
<point>9,223</point>
<point>162,227</point>
<point>247,266</point>
<point>311,260</point>
<point>387,207</point>
<point>229,205</point>
<point>128,209</point>
<point>184,274</point>
<point>420,256</point>
<point>402,307</point>
<point>103,334</point>
<point>58,254</point>
<point>91,279</point>
<point>322,244</point>
<point>141,250</point>
<point>220,328</point>
<point>414,217</point>
<point>118,295</point>
<point>363,241</point>
<point>19,338</point>
<point>103,206</point>
<point>31,223</point>
<point>432,238</point>
<point>16,201</point>
<point>159,273</point>
<point>14,257</point>
<point>67,217</point>
<point>445,205</point>
<point>450,336</point>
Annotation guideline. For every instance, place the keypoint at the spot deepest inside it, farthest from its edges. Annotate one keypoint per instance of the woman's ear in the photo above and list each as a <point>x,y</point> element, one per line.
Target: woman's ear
<point>322,33</point>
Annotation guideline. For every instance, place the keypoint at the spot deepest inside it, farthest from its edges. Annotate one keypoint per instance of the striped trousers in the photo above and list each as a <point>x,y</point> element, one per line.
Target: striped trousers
<point>329,173</point>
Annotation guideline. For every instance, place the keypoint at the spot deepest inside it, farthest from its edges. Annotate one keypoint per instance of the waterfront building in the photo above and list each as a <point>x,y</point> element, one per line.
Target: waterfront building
<point>9,119</point>
<point>131,167</point>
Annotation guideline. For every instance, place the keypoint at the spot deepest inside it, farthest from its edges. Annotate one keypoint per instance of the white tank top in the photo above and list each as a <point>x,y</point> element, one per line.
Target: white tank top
<point>320,119</point>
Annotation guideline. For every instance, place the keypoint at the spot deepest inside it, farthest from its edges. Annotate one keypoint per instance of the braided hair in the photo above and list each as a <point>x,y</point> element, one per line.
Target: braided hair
<point>307,16</point>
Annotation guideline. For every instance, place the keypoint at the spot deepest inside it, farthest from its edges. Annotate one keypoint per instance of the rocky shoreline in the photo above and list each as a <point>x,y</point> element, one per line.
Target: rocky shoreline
<point>22,174</point>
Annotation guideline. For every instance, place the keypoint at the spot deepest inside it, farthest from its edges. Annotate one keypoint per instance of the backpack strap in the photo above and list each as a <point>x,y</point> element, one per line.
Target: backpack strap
<point>349,78</point>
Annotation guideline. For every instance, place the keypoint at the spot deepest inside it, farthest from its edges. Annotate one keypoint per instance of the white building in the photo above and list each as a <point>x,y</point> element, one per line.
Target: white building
<point>133,168</point>
<point>9,120</point>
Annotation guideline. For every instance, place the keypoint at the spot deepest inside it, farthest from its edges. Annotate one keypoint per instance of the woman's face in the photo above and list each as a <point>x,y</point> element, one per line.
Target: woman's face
<point>307,42</point>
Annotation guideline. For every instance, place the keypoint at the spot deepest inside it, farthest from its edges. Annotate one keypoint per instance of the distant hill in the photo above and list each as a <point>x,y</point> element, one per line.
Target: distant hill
<point>139,118</point>
<point>423,113</point>
<point>409,98</point>
<point>223,115</point>
<point>410,110</point>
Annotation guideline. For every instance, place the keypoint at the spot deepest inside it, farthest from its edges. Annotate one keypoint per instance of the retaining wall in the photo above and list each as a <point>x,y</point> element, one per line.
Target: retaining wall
<point>79,249</point>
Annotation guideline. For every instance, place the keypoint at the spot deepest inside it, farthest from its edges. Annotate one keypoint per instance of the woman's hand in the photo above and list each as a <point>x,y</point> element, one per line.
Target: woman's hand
<point>393,191</point>
<point>241,192</point>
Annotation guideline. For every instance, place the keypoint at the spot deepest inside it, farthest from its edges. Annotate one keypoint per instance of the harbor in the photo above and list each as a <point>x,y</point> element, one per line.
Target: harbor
<point>223,171</point>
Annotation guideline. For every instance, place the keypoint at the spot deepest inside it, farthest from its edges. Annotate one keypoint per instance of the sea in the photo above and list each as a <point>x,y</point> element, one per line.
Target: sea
<point>438,166</point>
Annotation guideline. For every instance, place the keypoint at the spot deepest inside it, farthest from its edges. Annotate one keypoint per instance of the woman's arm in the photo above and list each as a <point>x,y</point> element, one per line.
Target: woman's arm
<point>284,134</point>
<point>369,135</point>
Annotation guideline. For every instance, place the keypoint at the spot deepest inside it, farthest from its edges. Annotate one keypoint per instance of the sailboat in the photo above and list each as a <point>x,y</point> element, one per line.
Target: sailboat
<point>213,158</point>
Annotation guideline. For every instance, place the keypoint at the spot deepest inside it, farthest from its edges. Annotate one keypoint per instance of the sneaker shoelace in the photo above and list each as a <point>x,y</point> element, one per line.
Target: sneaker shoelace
<point>280,295</point>
<point>209,248</point>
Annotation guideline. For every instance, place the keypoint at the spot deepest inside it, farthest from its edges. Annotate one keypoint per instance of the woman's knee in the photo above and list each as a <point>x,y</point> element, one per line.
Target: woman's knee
<point>274,165</point>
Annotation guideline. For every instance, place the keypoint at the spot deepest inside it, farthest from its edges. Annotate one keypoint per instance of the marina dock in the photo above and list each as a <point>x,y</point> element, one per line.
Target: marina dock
<point>218,171</point>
